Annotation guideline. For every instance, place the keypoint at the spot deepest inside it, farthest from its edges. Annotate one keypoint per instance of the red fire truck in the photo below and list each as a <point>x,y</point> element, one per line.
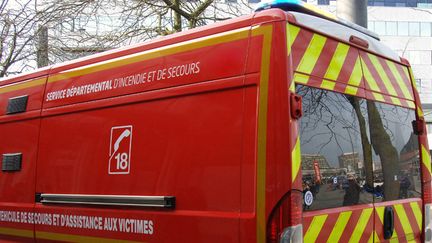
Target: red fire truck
<point>211,135</point>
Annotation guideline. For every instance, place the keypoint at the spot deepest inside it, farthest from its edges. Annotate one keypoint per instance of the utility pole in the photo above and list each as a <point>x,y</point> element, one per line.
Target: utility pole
<point>353,10</point>
<point>41,36</point>
<point>42,46</point>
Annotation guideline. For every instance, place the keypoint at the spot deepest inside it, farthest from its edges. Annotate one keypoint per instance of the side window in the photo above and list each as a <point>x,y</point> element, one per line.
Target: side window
<point>395,152</point>
<point>333,165</point>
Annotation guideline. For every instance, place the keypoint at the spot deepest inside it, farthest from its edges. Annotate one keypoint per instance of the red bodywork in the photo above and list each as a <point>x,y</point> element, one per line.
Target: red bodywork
<point>212,127</point>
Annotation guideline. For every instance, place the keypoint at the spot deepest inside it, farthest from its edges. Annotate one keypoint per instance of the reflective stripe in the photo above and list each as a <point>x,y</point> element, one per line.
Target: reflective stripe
<point>369,78</point>
<point>312,54</point>
<point>23,85</point>
<point>409,77</point>
<point>181,47</point>
<point>337,61</point>
<point>326,84</point>
<point>417,213</point>
<point>351,90</point>
<point>315,228</point>
<point>378,96</point>
<point>266,31</point>
<point>16,232</point>
<point>411,104</point>
<point>382,73</point>
<point>291,36</point>
<point>296,159</point>
<point>356,75</point>
<point>426,158</point>
<point>361,225</point>
<point>395,100</point>
<point>292,86</point>
<point>406,225</point>
<point>339,226</point>
<point>409,74</point>
<point>399,80</point>
<point>75,238</point>
<point>301,78</point>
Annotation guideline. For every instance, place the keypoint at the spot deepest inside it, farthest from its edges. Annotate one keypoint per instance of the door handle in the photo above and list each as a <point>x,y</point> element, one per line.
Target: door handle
<point>388,222</point>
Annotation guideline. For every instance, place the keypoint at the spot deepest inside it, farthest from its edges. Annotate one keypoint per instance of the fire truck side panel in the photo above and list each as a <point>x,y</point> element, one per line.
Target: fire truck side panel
<point>19,127</point>
<point>186,146</point>
<point>192,136</point>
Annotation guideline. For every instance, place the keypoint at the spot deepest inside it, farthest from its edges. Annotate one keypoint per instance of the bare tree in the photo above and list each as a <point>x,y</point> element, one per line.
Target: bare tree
<point>79,28</point>
<point>17,35</point>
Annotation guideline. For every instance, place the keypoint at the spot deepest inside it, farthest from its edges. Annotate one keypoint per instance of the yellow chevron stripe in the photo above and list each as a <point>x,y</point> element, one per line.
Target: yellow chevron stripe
<point>383,75</point>
<point>351,90</point>
<point>337,61</point>
<point>356,75</point>
<point>409,73</point>
<point>315,228</point>
<point>361,225</point>
<point>374,238</point>
<point>371,238</point>
<point>406,225</point>
<point>409,77</point>
<point>369,78</point>
<point>301,78</point>
<point>292,86</point>
<point>312,53</point>
<point>411,104</point>
<point>326,84</point>
<point>426,158</point>
<point>395,100</point>
<point>380,213</point>
<point>291,36</point>
<point>296,159</point>
<point>417,213</point>
<point>378,97</point>
<point>420,112</point>
<point>392,240</point>
<point>339,227</point>
<point>399,80</point>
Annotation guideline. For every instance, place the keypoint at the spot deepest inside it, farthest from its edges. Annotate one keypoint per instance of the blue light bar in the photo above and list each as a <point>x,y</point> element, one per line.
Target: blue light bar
<point>277,4</point>
<point>303,7</point>
<point>296,6</point>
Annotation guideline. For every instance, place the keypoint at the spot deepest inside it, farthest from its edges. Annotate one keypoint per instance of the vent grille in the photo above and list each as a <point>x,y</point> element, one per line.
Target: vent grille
<point>12,162</point>
<point>17,104</point>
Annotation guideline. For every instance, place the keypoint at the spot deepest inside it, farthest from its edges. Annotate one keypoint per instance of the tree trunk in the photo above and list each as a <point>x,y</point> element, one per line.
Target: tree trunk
<point>177,17</point>
<point>388,154</point>
<point>366,146</point>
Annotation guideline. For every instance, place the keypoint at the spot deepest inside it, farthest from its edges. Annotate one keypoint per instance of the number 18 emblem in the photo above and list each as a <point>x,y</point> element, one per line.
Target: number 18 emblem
<point>120,150</point>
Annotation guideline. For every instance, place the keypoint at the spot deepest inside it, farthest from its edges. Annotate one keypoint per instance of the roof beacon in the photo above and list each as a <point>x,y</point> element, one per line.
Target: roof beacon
<point>303,7</point>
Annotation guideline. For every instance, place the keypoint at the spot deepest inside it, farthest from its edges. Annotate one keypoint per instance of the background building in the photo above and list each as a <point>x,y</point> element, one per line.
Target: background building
<point>406,27</point>
<point>350,161</point>
<point>308,161</point>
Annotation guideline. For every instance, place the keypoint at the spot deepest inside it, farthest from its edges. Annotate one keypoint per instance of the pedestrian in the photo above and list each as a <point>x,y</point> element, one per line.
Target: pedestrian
<point>352,192</point>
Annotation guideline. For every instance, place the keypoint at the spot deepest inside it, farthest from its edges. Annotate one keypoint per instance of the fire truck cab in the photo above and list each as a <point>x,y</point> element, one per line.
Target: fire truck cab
<point>286,125</point>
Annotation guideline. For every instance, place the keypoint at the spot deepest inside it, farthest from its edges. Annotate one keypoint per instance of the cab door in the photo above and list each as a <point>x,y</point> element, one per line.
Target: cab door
<point>395,153</point>
<point>335,208</point>
<point>397,178</point>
